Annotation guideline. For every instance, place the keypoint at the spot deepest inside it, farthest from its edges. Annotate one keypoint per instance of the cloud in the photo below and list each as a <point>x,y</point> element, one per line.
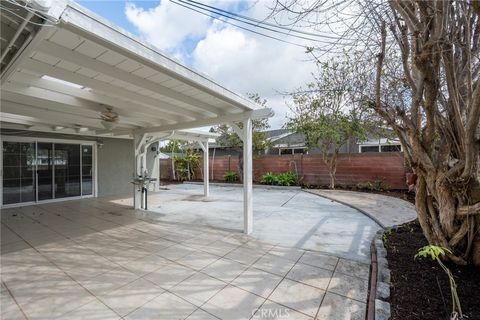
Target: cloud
<point>237,59</point>
<point>167,25</point>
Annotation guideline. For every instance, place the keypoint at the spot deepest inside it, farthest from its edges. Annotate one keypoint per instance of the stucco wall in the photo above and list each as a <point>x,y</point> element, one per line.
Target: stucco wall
<point>115,166</point>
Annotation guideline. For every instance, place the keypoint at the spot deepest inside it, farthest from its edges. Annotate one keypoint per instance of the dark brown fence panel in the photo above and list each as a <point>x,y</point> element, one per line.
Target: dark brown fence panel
<point>352,169</point>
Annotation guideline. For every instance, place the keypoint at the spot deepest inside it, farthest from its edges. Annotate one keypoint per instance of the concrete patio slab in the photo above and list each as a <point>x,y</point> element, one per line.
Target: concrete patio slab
<point>286,217</point>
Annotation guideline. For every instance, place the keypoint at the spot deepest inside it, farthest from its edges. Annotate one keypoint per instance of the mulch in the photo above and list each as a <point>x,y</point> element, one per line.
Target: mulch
<point>420,289</point>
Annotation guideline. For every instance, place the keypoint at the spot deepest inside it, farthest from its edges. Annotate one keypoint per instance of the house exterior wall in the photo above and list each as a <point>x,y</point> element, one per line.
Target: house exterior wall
<point>115,166</point>
<point>114,159</point>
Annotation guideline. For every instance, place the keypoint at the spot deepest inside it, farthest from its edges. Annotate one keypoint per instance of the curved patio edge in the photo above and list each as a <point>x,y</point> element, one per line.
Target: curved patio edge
<point>384,210</point>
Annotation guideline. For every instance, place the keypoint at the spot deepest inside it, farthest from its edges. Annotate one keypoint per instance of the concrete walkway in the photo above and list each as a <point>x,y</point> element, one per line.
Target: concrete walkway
<point>386,211</point>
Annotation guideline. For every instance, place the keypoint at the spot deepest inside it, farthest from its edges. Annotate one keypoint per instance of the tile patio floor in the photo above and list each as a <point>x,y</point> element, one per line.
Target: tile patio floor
<point>94,259</point>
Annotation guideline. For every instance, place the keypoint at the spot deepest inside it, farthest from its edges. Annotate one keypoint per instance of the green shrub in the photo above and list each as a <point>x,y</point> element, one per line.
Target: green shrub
<point>269,178</point>
<point>286,179</point>
<point>230,176</point>
<point>282,179</point>
<point>186,166</point>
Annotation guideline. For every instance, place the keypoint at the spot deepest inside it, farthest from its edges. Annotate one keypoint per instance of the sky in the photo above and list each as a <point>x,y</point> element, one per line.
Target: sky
<point>235,58</point>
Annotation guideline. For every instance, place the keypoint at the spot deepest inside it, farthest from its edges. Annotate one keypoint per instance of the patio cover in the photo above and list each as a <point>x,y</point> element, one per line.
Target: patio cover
<point>62,65</point>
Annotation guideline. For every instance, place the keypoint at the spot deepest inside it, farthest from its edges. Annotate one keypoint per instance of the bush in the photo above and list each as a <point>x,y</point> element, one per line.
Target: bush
<point>286,179</point>
<point>282,179</point>
<point>186,166</point>
<point>230,176</point>
<point>269,178</point>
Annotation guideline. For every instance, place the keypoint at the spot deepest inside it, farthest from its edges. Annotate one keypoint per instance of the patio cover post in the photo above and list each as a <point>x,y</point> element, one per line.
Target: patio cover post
<point>206,184</point>
<point>138,142</point>
<point>247,177</point>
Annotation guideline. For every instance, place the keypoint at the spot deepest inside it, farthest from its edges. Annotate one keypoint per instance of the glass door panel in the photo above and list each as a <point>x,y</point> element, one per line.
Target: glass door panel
<point>87,171</point>
<point>67,170</point>
<point>45,171</point>
<point>18,172</point>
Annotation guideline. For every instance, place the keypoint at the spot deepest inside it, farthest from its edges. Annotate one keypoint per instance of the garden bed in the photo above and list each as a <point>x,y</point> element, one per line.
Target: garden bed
<point>419,288</point>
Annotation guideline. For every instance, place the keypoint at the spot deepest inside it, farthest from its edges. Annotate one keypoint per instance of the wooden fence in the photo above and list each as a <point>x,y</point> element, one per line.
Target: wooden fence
<point>352,169</point>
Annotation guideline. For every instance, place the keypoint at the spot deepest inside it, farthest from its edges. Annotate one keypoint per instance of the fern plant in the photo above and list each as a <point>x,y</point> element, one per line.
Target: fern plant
<point>269,178</point>
<point>435,252</point>
<point>230,176</point>
<point>286,179</point>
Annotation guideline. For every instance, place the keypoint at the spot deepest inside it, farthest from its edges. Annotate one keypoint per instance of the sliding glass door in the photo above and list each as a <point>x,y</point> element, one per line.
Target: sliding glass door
<point>45,171</point>
<point>42,170</point>
<point>18,172</point>
<point>67,170</point>
<point>87,170</point>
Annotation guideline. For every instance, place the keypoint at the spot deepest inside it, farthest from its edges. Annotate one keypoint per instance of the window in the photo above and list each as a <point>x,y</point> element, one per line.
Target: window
<point>391,148</point>
<point>364,149</point>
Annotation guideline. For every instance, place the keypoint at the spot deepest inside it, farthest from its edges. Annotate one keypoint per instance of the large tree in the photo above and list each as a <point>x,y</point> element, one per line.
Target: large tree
<point>330,112</point>
<point>426,86</point>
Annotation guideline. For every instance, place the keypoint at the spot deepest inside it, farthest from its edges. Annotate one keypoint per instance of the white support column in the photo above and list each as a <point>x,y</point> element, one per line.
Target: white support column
<point>138,140</point>
<point>247,177</point>
<point>206,184</point>
<point>156,167</point>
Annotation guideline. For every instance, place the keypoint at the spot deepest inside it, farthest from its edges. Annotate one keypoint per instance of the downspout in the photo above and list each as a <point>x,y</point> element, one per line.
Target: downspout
<point>16,35</point>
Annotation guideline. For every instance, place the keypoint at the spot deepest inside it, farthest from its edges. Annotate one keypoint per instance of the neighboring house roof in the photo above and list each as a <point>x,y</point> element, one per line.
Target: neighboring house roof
<point>376,142</point>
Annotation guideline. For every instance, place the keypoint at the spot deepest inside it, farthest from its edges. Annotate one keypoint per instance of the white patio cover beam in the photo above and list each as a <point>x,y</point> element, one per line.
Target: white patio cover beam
<point>147,102</point>
<point>81,60</point>
<point>237,130</point>
<point>253,115</point>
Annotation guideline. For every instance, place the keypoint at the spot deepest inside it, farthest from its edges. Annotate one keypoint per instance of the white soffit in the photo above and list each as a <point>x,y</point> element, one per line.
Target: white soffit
<point>70,72</point>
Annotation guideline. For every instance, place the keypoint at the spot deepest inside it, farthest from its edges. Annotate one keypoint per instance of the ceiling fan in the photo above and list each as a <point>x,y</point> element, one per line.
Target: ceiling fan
<point>109,118</point>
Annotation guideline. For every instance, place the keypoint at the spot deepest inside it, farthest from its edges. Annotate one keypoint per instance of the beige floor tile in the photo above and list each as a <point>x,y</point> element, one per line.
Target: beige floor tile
<point>165,306</point>
<point>244,255</point>
<point>351,287</point>
<point>198,288</point>
<point>197,260</point>
<point>335,307</point>
<point>62,298</point>
<point>128,298</point>
<point>274,264</point>
<point>353,268</point>
<point>199,314</point>
<point>109,281</point>
<point>319,260</point>
<point>233,303</point>
<point>257,281</point>
<point>287,253</point>
<point>146,264</point>
<point>94,310</point>
<point>313,276</point>
<point>225,269</point>
<point>169,275</point>
<point>298,296</point>
<point>8,308</point>
<point>273,311</point>
<point>175,252</point>
<point>220,247</point>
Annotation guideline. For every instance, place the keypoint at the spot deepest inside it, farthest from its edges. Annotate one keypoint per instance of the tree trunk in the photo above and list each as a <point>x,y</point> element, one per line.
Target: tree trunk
<point>330,160</point>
